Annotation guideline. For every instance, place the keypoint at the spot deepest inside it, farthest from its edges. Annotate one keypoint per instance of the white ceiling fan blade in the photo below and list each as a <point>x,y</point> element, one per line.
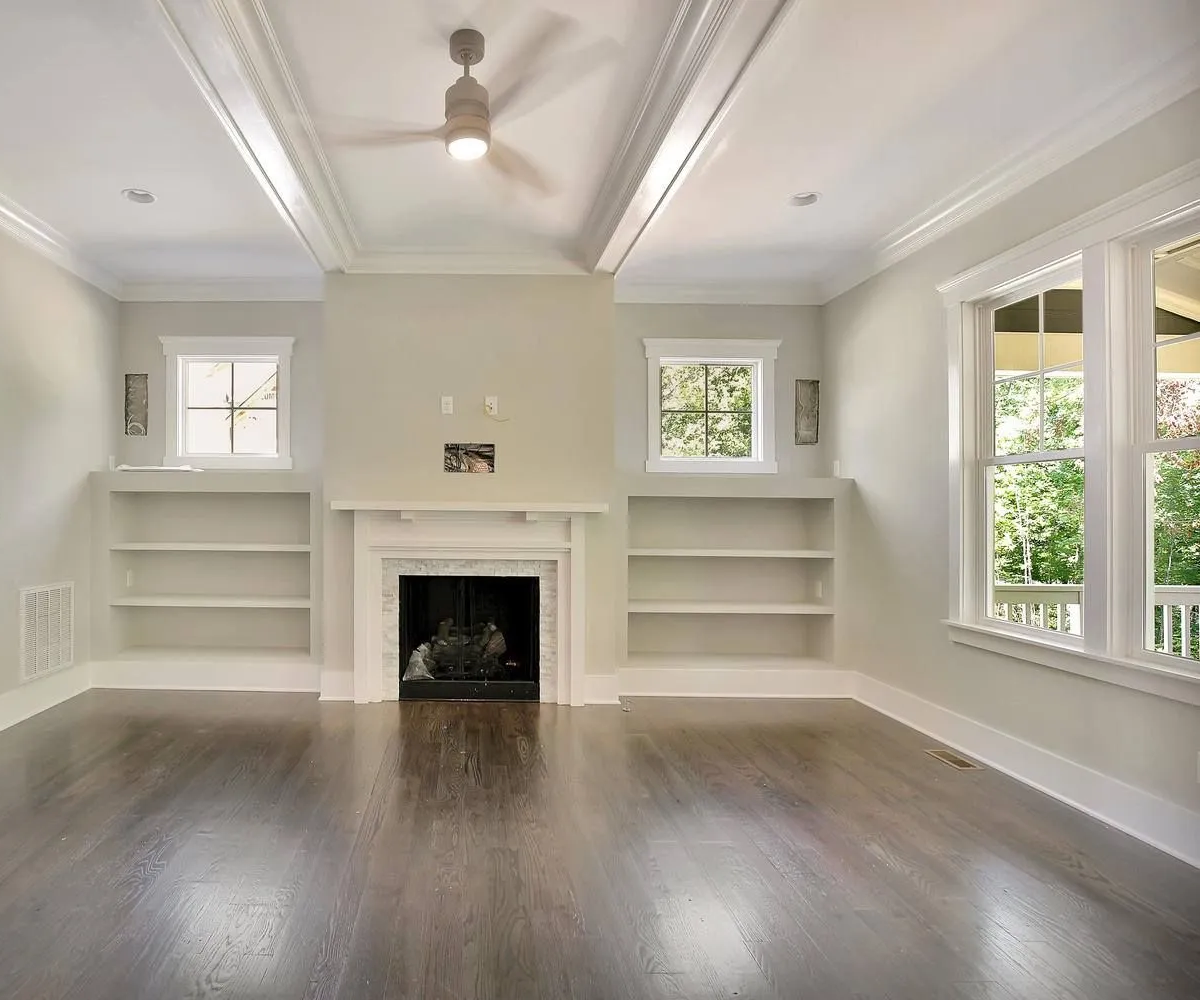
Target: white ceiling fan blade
<point>365,132</point>
<point>521,68</point>
<point>565,72</point>
<point>515,167</point>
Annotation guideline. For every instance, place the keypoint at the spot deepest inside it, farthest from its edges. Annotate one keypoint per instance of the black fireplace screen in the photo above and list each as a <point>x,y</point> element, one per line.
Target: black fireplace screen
<point>469,636</point>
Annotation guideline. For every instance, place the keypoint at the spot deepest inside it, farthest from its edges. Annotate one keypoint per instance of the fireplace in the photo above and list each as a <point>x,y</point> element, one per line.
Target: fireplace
<point>469,637</point>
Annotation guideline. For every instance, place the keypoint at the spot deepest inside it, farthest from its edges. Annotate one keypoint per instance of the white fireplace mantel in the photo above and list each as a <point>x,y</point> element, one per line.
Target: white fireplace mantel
<point>456,531</point>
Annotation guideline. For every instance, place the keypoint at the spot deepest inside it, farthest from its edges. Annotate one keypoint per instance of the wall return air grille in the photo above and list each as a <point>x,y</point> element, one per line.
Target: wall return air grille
<point>47,629</point>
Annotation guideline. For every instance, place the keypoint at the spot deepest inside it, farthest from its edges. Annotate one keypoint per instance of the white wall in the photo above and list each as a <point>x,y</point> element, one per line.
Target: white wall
<point>59,401</point>
<point>886,358</point>
<point>800,356</point>
<point>142,323</point>
<point>396,344</point>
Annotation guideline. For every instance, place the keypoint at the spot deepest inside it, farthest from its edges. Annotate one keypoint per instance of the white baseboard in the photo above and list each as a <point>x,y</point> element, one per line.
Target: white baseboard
<point>36,696</point>
<point>732,682</point>
<point>1162,824</point>
<point>298,676</point>
<point>337,685</point>
<point>600,689</point>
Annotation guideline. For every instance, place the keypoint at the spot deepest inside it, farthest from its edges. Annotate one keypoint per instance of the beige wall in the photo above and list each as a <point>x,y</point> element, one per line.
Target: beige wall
<point>396,344</point>
<point>142,323</point>
<point>886,358</point>
<point>59,400</point>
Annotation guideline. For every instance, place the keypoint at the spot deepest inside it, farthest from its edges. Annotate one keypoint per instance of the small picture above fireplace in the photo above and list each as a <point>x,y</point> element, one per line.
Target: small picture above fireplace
<point>469,637</point>
<point>470,457</point>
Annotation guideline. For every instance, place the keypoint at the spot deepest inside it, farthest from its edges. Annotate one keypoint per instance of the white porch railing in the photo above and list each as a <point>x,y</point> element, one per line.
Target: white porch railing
<point>1177,621</point>
<point>1060,607</point>
<point>1044,605</point>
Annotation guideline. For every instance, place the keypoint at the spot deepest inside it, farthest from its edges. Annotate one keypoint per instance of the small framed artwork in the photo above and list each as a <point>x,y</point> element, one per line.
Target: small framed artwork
<point>808,410</point>
<point>470,457</point>
<point>137,404</point>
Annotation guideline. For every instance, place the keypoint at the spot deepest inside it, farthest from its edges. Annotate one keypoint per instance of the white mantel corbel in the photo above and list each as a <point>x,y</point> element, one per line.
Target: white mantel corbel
<point>469,530</point>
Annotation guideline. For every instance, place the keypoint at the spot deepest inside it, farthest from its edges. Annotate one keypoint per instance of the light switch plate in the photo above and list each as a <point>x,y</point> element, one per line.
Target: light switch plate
<point>491,405</point>
<point>447,404</point>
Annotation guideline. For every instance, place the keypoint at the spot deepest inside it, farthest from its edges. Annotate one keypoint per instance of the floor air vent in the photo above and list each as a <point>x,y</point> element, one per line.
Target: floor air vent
<point>47,629</point>
<point>955,760</point>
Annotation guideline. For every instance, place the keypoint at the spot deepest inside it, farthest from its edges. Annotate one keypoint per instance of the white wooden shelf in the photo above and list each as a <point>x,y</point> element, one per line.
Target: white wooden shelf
<point>211,654</point>
<point>209,601</point>
<point>207,547</point>
<point>733,553</point>
<point>725,608</point>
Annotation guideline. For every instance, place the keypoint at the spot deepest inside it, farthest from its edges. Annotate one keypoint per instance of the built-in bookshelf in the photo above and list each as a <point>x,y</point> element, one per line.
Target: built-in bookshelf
<point>203,568</point>
<point>727,582</point>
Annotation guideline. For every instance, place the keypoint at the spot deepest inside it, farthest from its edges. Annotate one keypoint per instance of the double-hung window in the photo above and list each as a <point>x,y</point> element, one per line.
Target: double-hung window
<point>1168,426</point>
<point>711,405</point>
<point>1033,456</point>
<point>227,402</point>
<point>1075,445</point>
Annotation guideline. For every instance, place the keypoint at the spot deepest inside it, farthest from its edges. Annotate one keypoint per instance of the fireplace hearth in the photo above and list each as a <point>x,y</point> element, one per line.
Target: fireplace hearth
<point>469,637</point>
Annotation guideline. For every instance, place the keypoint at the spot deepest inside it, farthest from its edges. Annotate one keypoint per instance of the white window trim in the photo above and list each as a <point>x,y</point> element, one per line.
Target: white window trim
<point>759,353</point>
<point>180,349</point>
<point>1103,241</point>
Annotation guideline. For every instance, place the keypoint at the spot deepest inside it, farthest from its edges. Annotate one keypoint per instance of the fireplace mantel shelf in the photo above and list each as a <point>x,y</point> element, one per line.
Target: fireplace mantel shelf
<point>469,506</point>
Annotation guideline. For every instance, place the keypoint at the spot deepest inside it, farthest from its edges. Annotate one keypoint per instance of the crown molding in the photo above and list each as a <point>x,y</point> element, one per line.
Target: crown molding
<point>776,293</point>
<point>235,60</point>
<point>702,61</point>
<point>1174,196</point>
<point>225,290</point>
<point>1090,128</point>
<point>44,239</point>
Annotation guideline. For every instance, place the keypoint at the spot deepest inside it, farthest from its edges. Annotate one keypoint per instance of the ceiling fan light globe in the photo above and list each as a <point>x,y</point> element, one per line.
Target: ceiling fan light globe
<point>469,146</point>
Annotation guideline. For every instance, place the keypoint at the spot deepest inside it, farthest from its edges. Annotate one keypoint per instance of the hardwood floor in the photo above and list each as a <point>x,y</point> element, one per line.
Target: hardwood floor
<point>164,846</point>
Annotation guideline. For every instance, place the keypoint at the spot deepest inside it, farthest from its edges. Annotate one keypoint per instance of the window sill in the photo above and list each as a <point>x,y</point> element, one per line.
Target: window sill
<point>256,463</point>
<point>1175,683</point>
<point>711,467</point>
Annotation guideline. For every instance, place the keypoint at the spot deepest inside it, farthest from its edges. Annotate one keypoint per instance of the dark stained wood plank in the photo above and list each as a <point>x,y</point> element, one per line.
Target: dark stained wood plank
<point>159,845</point>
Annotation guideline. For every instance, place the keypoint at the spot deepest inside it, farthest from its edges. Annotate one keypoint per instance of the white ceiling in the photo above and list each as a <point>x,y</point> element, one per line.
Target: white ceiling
<point>887,109</point>
<point>241,116</point>
<point>94,99</point>
<point>363,65</point>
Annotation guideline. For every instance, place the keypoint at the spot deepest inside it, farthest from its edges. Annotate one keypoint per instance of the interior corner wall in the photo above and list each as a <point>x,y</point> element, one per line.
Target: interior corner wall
<point>798,328</point>
<point>59,402</point>
<point>142,323</point>
<point>887,359</point>
<point>395,344</point>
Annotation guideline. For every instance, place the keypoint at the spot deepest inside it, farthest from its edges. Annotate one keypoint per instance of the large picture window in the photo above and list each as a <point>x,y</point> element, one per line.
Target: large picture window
<point>711,406</point>
<point>1075,446</point>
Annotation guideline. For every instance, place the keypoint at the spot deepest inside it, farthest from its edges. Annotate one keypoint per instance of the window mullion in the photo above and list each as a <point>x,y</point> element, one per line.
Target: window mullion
<point>1100,616</point>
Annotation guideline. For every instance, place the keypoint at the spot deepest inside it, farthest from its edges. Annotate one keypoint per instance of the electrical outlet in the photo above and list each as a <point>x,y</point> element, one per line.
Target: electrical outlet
<point>491,405</point>
<point>447,404</point>
<point>128,579</point>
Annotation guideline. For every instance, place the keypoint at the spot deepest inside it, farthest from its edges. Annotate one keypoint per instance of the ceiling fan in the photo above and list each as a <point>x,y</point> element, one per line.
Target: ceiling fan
<point>471,110</point>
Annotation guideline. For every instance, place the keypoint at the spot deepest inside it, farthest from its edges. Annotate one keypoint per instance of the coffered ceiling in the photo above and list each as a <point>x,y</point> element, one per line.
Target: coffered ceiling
<point>660,139</point>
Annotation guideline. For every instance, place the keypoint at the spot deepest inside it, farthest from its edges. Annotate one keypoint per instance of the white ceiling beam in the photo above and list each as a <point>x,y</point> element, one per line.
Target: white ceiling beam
<point>234,58</point>
<point>707,50</point>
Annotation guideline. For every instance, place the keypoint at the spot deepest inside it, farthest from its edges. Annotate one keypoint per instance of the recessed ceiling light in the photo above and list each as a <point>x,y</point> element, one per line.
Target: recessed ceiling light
<point>803,198</point>
<point>139,196</point>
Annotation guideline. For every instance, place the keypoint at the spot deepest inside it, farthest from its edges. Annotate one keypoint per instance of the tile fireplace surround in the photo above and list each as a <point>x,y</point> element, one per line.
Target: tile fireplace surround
<point>482,539</point>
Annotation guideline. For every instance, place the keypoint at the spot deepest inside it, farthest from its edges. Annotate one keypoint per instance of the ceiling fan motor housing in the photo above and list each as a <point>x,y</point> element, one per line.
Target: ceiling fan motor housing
<point>467,109</point>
